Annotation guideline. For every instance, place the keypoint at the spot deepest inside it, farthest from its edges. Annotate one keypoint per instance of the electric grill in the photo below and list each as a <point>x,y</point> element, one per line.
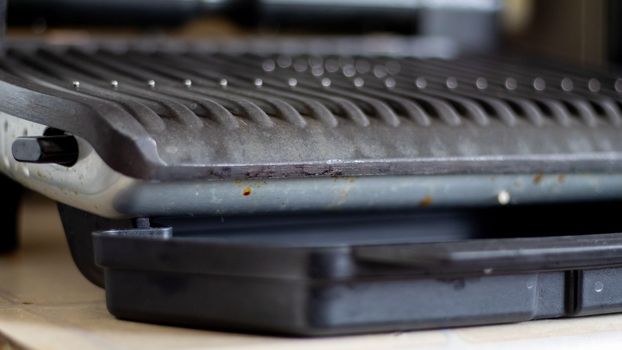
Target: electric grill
<point>323,186</point>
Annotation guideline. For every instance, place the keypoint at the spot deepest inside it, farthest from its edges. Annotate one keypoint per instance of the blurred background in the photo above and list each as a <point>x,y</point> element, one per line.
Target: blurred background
<point>585,31</point>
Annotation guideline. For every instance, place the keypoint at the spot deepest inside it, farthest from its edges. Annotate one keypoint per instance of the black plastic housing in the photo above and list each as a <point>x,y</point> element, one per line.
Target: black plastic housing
<point>11,193</point>
<point>316,276</point>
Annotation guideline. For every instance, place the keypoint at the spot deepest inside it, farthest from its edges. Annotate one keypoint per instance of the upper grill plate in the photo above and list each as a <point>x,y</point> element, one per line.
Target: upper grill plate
<point>194,112</point>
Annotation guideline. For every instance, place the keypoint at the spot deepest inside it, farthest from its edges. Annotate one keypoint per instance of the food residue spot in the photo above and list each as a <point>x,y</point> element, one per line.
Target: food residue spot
<point>426,201</point>
<point>561,179</point>
<point>537,179</point>
<point>247,191</point>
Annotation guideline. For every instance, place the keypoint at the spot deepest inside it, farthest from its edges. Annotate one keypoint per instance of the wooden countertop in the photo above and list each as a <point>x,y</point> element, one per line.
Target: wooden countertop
<point>46,304</point>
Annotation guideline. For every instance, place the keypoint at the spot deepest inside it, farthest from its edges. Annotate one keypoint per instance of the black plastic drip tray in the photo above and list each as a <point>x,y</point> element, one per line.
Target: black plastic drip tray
<point>309,285</point>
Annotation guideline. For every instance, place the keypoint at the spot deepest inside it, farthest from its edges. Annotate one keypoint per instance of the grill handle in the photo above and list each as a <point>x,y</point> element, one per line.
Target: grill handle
<point>498,255</point>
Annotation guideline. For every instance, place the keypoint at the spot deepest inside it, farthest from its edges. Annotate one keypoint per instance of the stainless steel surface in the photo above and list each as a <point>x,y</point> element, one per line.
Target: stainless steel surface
<point>90,184</point>
<point>93,186</point>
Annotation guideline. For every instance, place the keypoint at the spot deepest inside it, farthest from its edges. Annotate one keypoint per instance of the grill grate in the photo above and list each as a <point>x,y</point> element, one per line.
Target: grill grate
<point>217,109</point>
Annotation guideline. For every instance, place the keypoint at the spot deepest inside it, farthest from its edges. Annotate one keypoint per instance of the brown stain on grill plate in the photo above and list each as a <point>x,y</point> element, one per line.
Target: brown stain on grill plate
<point>247,191</point>
<point>425,202</point>
<point>537,179</point>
